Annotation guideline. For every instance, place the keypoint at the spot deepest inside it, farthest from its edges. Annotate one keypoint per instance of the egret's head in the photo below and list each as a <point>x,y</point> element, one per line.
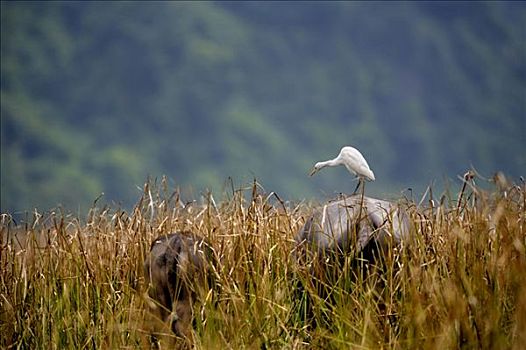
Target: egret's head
<point>316,168</point>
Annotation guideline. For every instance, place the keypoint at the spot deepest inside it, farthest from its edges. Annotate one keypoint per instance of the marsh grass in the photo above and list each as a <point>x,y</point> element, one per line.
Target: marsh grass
<point>459,282</point>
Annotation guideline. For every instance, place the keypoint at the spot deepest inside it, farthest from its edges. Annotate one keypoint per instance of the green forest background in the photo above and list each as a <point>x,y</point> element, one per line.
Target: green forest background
<point>98,96</point>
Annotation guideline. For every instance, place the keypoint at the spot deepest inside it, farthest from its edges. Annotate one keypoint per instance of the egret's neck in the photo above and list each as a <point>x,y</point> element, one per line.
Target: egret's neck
<point>332,162</point>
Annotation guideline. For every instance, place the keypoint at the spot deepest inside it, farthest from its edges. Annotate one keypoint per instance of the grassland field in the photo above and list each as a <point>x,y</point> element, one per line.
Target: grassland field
<point>78,283</point>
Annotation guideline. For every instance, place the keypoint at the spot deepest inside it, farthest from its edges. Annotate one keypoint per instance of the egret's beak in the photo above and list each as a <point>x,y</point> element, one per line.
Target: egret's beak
<point>313,171</point>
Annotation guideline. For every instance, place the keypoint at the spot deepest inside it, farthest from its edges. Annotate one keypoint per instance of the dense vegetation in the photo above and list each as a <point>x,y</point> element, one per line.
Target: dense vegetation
<point>96,96</point>
<point>459,283</point>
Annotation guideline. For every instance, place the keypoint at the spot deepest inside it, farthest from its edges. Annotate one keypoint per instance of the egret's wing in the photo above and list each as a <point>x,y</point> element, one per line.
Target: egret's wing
<point>356,163</point>
<point>365,171</point>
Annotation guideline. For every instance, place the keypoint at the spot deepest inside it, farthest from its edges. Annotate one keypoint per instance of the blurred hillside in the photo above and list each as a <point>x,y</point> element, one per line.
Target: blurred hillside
<point>97,96</point>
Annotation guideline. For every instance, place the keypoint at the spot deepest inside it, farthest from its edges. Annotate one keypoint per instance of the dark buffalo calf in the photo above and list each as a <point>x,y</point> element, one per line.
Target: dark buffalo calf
<point>178,264</point>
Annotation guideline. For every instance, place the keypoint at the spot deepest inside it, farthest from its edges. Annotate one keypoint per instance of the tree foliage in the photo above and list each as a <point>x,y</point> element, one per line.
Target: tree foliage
<point>97,96</point>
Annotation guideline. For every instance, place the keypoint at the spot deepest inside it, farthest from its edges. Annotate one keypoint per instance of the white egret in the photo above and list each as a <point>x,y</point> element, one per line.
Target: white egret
<point>353,160</point>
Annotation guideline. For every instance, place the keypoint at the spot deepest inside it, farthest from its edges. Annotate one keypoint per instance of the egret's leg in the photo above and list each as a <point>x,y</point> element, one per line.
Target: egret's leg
<point>357,186</point>
<point>362,181</point>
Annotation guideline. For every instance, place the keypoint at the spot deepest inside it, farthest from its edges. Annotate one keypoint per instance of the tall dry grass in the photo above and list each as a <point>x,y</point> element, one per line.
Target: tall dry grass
<point>459,282</point>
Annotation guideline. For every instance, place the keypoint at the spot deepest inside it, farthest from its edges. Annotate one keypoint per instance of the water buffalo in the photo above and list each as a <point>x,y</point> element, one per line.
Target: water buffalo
<point>338,237</point>
<point>178,264</point>
<point>352,223</point>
